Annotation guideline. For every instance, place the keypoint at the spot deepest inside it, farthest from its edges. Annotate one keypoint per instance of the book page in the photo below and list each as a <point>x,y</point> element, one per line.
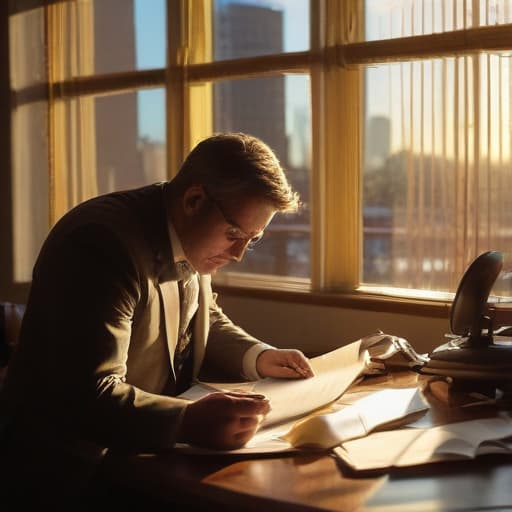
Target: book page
<point>411,446</point>
<point>495,446</point>
<point>464,438</point>
<point>379,450</point>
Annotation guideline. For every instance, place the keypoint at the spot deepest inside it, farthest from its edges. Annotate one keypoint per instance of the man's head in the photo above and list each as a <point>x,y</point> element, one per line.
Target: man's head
<point>225,194</point>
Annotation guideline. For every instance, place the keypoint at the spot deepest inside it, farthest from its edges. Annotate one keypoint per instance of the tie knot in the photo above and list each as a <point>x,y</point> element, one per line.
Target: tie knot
<point>184,270</point>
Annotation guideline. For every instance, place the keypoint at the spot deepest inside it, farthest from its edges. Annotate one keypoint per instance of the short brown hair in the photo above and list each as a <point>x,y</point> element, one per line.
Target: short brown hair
<point>232,165</point>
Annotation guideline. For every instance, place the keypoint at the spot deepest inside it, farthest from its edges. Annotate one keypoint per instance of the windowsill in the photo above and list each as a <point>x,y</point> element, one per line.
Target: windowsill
<point>298,290</point>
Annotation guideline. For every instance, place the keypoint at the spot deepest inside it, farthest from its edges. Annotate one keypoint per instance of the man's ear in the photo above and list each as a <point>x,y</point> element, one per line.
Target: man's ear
<point>193,199</point>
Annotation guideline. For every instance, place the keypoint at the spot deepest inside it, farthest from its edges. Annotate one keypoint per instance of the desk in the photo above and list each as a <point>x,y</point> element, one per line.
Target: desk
<point>317,482</point>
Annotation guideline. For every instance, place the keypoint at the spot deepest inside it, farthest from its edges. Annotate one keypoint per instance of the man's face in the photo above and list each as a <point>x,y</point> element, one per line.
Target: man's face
<point>220,232</point>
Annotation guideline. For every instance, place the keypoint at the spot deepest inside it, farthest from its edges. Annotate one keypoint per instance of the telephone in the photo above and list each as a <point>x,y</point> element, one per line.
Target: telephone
<point>478,357</point>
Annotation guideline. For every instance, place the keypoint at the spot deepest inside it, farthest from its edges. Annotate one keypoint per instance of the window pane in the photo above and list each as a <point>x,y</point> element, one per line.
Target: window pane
<point>130,139</point>
<point>387,19</point>
<point>436,169</point>
<point>104,144</point>
<point>30,188</point>
<point>249,28</point>
<point>125,35</point>
<point>29,174</point>
<point>150,34</point>
<point>27,49</point>
<point>276,109</point>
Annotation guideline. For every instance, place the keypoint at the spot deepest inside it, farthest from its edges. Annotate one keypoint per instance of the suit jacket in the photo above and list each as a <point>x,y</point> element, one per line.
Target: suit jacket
<point>97,342</point>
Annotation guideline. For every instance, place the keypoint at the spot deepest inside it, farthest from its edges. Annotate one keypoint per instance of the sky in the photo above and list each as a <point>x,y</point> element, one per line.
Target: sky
<point>150,53</point>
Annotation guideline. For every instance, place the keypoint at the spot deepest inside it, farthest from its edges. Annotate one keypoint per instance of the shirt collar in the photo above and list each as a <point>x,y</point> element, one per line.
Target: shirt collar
<point>177,248</point>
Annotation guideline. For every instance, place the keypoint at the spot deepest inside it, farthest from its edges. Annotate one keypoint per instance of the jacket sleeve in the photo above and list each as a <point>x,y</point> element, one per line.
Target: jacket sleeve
<point>227,345</point>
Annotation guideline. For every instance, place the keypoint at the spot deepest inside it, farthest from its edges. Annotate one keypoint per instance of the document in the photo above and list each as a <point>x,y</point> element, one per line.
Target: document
<point>414,446</point>
<point>356,419</point>
<point>334,373</point>
<point>308,413</point>
<point>350,418</point>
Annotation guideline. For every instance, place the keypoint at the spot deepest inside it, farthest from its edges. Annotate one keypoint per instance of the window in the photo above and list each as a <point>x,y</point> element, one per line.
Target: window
<point>276,109</point>
<point>393,118</point>
<point>437,137</point>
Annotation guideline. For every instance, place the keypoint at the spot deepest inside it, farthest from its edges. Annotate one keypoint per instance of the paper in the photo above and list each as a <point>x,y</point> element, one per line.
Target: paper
<point>334,373</point>
<point>284,430</point>
<point>410,446</point>
<point>348,420</point>
<point>356,419</point>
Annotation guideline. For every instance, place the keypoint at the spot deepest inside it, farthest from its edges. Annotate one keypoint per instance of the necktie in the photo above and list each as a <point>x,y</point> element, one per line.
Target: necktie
<point>189,294</point>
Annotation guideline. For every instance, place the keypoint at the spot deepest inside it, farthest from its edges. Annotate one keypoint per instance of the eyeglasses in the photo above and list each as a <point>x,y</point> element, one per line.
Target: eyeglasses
<point>234,233</point>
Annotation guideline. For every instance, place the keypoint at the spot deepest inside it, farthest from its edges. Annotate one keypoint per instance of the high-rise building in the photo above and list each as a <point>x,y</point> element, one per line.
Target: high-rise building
<point>253,105</point>
<point>117,157</point>
<point>377,141</point>
<point>153,159</point>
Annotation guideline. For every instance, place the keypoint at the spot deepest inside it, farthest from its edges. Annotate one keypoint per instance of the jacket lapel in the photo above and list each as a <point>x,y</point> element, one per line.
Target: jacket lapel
<point>201,324</point>
<point>169,293</point>
<point>166,273</point>
<point>171,309</point>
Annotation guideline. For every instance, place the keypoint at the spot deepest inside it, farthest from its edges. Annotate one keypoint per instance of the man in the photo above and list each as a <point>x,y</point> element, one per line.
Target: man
<point>121,318</point>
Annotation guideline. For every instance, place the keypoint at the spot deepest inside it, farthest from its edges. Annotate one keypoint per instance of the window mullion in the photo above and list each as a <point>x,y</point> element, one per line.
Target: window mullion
<point>337,108</point>
<point>427,46</point>
<point>200,49</point>
<point>262,65</point>
<point>175,85</point>
<point>189,111</point>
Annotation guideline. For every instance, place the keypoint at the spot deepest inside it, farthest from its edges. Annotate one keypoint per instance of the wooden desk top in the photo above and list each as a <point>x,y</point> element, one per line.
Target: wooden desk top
<point>318,482</point>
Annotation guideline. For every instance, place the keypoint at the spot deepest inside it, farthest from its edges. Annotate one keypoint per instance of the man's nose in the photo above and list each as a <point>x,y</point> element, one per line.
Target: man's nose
<point>237,249</point>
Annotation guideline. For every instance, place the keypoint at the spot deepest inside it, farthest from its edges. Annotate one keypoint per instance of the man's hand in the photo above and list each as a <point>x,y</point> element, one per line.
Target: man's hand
<point>283,364</point>
<point>223,421</point>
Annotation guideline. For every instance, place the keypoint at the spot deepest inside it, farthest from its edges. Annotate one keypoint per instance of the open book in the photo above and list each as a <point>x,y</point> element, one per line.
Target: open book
<point>286,428</point>
<point>414,446</point>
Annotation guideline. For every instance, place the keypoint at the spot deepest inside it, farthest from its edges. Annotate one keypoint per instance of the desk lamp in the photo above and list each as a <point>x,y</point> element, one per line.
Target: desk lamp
<point>476,359</point>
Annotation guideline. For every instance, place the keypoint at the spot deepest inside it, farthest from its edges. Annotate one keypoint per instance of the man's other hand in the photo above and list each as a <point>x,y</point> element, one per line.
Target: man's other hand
<point>223,421</point>
<point>283,364</point>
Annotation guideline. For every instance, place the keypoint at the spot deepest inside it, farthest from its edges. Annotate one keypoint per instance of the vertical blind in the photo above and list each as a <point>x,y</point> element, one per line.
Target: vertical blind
<point>442,175</point>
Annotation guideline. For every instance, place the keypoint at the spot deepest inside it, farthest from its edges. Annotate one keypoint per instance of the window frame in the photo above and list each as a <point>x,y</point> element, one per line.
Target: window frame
<point>335,64</point>
<point>9,291</point>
